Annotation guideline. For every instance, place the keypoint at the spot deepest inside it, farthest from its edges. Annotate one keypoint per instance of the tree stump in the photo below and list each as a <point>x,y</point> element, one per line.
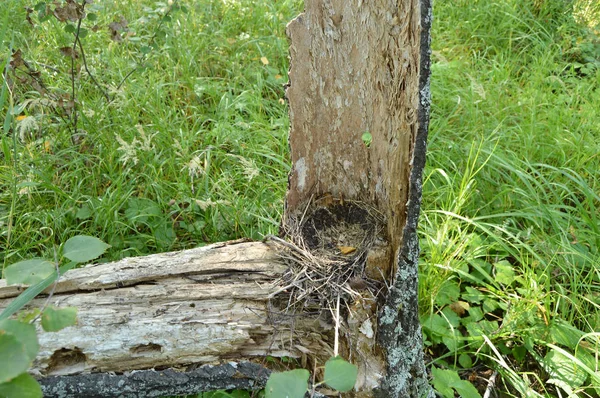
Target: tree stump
<point>223,316</point>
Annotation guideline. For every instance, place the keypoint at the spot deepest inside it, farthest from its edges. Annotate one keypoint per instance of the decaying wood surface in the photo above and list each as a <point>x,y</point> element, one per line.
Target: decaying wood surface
<point>192,307</point>
<point>354,69</point>
<point>360,72</point>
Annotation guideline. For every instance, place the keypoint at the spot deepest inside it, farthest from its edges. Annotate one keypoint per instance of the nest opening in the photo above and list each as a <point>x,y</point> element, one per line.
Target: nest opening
<point>327,248</point>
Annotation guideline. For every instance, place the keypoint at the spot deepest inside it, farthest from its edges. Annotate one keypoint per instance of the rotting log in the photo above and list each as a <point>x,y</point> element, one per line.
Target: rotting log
<point>358,69</point>
<point>178,310</point>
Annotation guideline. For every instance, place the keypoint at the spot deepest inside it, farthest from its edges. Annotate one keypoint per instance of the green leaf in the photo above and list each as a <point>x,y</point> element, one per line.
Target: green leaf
<point>84,212</point>
<point>33,291</point>
<point>437,324</point>
<point>367,139</point>
<point>141,210</point>
<point>448,293</point>
<point>145,50</point>
<point>442,380</point>
<point>83,248</point>
<point>340,374</point>
<point>25,333</point>
<point>28,272</point>
<point>22,386</point>
<point>451,317</point>
<point>519,352</point>
<point>290,384</point>
<point>165,235</point>
<point>466,390</point>
<point>70,28</point>
<point>564,334</point>
<point>40,6</point>
<point>490,305</point>
<point>92,17</point>
<point>562,368</point>
<point>473,295</point>
<point>465,361</point>
<point>83,33</point>
<point>14,357</point>
<point>505,273</point>
<point>54,319</point>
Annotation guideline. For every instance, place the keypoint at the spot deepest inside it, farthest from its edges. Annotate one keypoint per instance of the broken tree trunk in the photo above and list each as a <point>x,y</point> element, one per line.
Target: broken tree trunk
<point>219,317</point>
<point>359,111</point>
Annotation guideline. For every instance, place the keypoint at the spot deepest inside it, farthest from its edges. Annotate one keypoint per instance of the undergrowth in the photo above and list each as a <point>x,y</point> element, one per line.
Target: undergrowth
<point>191,148</point>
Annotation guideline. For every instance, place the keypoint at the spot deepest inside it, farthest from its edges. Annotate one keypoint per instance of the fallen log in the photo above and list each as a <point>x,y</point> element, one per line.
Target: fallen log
<point>195,306</point>
<point>175,310</point>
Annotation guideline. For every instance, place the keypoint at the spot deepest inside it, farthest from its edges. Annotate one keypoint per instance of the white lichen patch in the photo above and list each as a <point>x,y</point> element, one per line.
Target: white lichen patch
<point>301,170</point>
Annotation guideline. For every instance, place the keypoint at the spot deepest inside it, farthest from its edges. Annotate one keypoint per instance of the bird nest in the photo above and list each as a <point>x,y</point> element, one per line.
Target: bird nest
<point>326,248</point>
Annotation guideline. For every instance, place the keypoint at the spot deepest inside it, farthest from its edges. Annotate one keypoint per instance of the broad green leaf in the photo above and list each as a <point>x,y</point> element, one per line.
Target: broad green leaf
<point>473,295</point>
<point>436,324</point>
<point>564,369</point>
<point>40,6</point>
<point>519,352</point>
<point>451,317</point>
<point>451,341</point>
<point>290,384</point>
<point>24,333</point>
<point>466,390</point>
<point>55,319</point>
<point>442,379</point>
<point>14,357</point>
<point>475,315</point>
<point>83,248</point>
<point>28,272</point>
<point>33,291</point>
<point>84,212</point>
<point>489,305</point>
<point>22,386</point>
<point>465,361</point>
<point>564,334</point>
<point>340,374</point>
<point>505,273</point>
<point>448,293</point>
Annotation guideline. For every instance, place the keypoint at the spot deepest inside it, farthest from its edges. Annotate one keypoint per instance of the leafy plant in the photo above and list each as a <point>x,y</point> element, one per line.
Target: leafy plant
<point>18,338</point>
<point>447,382</point>
<point>339,375</point>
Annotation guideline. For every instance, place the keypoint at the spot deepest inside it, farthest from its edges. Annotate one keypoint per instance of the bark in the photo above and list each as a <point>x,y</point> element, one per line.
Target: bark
<point>362,67</point>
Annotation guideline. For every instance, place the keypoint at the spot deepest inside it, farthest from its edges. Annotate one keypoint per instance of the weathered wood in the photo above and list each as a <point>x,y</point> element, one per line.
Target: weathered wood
<point>177,309</point>
<point>354,69</point>
<point>360,69</point>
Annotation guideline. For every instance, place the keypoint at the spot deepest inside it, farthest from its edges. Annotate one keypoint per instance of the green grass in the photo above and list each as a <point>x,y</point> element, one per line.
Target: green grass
<point>193,149</point>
